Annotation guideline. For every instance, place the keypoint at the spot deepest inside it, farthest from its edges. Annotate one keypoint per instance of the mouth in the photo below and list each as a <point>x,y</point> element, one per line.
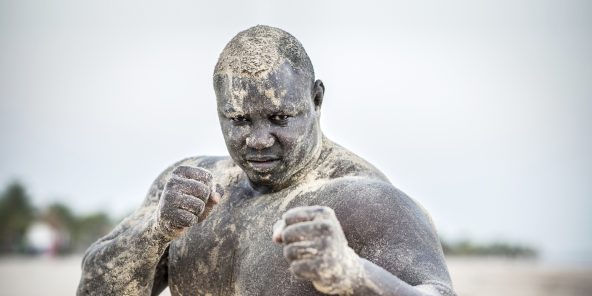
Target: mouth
<point>263,163</point>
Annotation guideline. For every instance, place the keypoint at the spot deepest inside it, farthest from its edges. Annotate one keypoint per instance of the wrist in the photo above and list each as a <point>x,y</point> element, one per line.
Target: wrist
<point>160,231</point>
<point>346,278</point>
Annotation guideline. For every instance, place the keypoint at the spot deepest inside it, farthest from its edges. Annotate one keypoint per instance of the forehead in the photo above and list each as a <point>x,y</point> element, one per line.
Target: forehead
<point>282,89</point>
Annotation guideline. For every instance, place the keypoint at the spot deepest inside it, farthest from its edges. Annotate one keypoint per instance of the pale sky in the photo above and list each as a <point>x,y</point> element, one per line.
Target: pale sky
<point>480,110</point>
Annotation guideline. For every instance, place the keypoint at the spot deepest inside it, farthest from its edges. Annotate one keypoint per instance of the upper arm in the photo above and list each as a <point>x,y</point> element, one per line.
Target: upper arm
<point>386,227</point>
<point>131,226</point>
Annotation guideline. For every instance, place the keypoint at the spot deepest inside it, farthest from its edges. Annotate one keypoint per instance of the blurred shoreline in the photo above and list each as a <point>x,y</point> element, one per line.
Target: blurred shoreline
<point>483,276</point>
<point>525,277</point>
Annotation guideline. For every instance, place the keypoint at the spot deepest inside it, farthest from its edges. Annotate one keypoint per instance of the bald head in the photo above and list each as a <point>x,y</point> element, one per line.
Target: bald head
<point>259,50</point>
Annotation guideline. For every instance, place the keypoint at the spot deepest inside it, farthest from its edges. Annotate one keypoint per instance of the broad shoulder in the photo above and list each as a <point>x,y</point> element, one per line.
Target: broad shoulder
<point>387,227</point>
<point>360,193</point>
<point>367,194</point>
<point>338,162</point>
<point>370,208</point>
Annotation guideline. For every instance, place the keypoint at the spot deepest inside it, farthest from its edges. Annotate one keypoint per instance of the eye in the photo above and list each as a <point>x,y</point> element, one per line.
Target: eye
<point>239,120</point>
<point>279,118</point>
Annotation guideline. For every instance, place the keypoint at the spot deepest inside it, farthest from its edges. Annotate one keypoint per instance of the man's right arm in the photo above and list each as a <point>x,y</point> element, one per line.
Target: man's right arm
<point>127,260</point>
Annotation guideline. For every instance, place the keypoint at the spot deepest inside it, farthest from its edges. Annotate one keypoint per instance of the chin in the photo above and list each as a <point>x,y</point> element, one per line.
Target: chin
<point>269,179</point>
<point>266,179</point>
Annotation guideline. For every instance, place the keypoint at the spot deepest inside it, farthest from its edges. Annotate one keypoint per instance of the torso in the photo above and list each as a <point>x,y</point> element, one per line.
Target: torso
<point>231,251</point>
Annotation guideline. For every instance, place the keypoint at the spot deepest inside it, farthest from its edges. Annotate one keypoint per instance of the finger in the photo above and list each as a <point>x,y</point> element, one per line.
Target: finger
<point>278,227</point>
<point>306,269</point>
<point>301,250</point>
<point>182,219</point>
<point>209,207</point>
<point>215,196</point>
<point>217,193</point>
<point>307,231</point>
<point>301,214</point>
<point>194,173</point>
<point>191,204</point>
<point>220,190</point>
<point>189,187</point>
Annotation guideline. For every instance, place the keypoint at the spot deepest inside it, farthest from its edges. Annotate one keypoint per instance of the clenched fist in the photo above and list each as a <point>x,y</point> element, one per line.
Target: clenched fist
<point>188,197</point>
<point>315,246</point>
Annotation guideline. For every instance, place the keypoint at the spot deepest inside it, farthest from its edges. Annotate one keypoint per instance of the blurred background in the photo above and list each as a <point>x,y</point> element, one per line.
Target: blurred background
<point>480,110</point>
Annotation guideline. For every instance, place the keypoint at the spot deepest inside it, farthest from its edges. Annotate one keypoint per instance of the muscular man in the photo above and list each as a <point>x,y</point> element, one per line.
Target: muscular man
<point>288,213</point>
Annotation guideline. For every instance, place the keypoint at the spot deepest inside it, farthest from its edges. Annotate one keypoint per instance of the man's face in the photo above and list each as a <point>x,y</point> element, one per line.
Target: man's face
<point>270,125</point>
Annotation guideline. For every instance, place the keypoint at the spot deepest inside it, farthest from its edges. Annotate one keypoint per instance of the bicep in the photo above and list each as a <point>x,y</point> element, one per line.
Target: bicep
<point>386,227</point>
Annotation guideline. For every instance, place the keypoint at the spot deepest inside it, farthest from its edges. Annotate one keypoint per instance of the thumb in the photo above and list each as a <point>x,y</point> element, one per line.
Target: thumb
<point>214,199</point>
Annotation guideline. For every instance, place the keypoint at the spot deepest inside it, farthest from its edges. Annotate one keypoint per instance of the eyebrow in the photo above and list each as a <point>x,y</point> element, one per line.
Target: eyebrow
<point>289,109</point>
<point>284,109</point>
<point>230,112</point>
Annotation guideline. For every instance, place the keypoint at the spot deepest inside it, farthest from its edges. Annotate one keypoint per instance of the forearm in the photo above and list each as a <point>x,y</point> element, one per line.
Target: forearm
<point>374,280</point>
<point>124,262</point>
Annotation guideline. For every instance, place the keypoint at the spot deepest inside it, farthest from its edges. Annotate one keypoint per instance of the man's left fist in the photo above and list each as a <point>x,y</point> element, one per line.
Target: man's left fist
<point>316,248</point>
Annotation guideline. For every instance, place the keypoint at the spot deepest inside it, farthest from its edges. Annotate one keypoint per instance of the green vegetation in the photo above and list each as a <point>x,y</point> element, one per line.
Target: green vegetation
<point>82,230</point>
<point>16,214</point>
<point>73,233</point>
<point>498,249</point>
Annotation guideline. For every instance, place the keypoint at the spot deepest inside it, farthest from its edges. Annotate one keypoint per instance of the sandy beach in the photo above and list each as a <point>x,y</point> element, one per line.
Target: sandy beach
<point>495,276</point>
<point>24,276</point>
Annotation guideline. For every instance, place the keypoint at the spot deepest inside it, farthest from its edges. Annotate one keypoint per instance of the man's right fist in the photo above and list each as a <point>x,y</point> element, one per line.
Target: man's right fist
<point>188,196</point>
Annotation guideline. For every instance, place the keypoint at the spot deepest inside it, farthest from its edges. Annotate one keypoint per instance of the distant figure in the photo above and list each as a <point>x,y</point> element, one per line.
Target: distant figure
<point>205,228</point>
<point>43,239</point>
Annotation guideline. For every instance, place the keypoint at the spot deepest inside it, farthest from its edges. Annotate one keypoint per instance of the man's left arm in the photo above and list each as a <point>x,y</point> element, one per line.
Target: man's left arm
<point>398,250</point>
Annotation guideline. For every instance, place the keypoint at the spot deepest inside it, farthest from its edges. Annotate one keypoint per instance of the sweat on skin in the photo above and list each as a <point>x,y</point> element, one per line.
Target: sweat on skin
<point>289,212</point>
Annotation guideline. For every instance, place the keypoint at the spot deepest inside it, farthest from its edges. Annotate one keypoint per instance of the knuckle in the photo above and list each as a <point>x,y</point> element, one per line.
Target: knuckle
<point>290,232</point>
<point>169,197</point>
<point>205,174</point>
<point>192,172</point>
<point>201,190</point>
<point>173,183</point>
<point>169,218</point>
<point>178,170</point>
<point>294,217</point>
<point>191,204</point>
<point>188,186</point>
<point>292,211</point>
<point>201,174</point>
<point>181,170</point>
<point>320,209</point>
<point>300,250</point>
<point>295,233</point>
<point>184,218</point>
<point>163,214</point>
<point>199,206</point>
<point>325,227</point>
<point>324,211</point>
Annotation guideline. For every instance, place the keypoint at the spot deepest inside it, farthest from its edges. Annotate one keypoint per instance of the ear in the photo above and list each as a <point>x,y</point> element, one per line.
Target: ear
<point>318,91</point>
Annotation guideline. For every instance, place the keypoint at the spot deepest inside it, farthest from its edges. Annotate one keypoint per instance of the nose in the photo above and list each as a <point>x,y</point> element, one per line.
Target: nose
<point>260,138</point>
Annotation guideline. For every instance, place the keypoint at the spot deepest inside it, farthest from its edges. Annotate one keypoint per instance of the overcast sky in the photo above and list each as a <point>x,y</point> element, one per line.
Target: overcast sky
<point>480,110</point>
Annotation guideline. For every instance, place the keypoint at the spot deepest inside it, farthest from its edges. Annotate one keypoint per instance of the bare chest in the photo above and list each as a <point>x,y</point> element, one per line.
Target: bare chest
<point>231,252</point>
